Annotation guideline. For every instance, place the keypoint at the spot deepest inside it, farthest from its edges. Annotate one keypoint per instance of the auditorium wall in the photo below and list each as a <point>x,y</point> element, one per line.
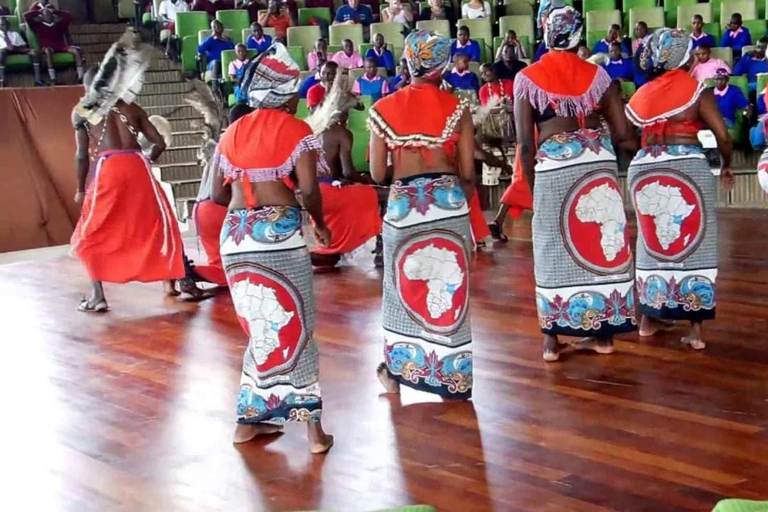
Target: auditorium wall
<point>37,167</point>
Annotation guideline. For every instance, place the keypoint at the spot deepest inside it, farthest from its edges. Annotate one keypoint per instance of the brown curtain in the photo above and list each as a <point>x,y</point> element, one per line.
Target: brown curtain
<point>37,167</point>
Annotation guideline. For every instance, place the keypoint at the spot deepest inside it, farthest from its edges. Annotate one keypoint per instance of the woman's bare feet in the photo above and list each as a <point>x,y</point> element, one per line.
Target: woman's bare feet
<point>696,338</point>
<point>550,348</point>
<point>390,384</point>
<point>248,431</point>
<point>650,326</point>
<point>319,441</point>
<point>169,287</point>
<point>594,344</point>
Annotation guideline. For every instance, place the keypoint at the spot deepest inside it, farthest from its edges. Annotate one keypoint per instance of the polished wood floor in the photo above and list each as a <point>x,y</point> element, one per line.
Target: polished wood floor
<point>133,410</point>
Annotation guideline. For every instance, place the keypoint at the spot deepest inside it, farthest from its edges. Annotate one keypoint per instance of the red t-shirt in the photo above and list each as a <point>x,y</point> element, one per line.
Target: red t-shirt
<point>503,89</point>
<point>315,95</point>
<point>50,36</point>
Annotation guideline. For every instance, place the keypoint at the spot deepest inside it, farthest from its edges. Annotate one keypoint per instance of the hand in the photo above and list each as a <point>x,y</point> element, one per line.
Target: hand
<point>727,179</point>
<point>79,197</point>
<point>323,236</point>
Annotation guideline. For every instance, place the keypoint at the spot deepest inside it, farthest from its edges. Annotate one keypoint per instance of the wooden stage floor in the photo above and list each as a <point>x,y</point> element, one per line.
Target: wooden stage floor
<point>134,410</point>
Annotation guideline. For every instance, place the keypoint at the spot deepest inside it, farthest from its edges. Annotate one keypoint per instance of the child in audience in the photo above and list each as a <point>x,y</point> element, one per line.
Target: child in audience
<point>511,40</point>
<point>641,30</point>
<point>403,79</point>
<point>258,40</point>
<point>277,17</point>
<point>729,98</point>
<point>213,46</point>
<point>753,64</point>
<point>460,78</point>
<point>51,28</point>
<point>316,58</point>
<point>698,36</point>
<point>463,44</point>
<point>619,68</point>
<point>736,36</point>
<point>494,89</point>
<point>704,66</point>
<point>614,36</point>
<point>371,83</point>
<point>348,58</point>
<point>238,66</point>
<point>382,56</point>
<point>12,43</point>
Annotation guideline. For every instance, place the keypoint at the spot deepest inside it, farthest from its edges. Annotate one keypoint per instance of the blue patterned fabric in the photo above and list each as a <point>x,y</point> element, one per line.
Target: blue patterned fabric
<point>426,52</point>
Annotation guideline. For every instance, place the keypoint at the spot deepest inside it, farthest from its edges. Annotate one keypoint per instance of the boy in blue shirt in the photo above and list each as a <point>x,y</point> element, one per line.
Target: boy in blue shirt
<point>698,36</point>
<point>460,78</point>
<point>729,99</point>
<point>371,84</point>
<point>380,54</point>
<point>753,63</point>
<point>619,68</point>
<point>464,45</point>
<point>258,40</point>
<point>212,47</point>
<point>736,36</point>
<point>401,80</point>
<point>353,13</point>
<point>614,36</point>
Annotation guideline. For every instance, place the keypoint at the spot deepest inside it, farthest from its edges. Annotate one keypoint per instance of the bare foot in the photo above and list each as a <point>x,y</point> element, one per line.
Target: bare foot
<point>650,326</point>
<point>601,346</point>
<point>169,287</point>
<point>550,348</point>
<point>319,441</point>
<point>246,432</point>
<point>390,384</point>
<point>694,342</point>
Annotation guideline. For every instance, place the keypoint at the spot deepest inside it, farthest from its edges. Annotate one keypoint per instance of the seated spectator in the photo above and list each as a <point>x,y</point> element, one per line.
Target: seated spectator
<point>348,58</point>
<point>51,28</point>
<point>401,80</point>
<point>308,83</point>
<point>584,52</point>
<point>614,36</point>
<point>167,14</point>
<point>511,40</point>
<point>730,99</point>
<point>258,40</point>
<point>316,58</point>
<point>13,43</point>
<point>508,67</point>
<point>396,13</point>
<point>753,63</point>
<point>374,6</point>
<point>641,30</point>
<point>371,83</point>
<point>494,89</point>
<point>354,13</point>
<point>319,4</point>
<point>39,6</point>
<point>212,47</point>
<point>736,36</point>
<point>382,56</point>
<point>460,78</point>
<point>704,66</point>
<point>617,67</point>
<point>4,11</point>
<point>204,6</point>
<point>466,46</point>
<point>277,17</point>
<point>238,66</point>
<point>222,5</point>
<point>438,10</point>
<point>698,36</point>
<point>475,9</point>
<point>316,93</point>
<point>253,7</point>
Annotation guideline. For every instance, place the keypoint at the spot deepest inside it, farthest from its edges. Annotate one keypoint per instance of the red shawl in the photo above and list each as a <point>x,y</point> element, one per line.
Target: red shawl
<point>664,97</point>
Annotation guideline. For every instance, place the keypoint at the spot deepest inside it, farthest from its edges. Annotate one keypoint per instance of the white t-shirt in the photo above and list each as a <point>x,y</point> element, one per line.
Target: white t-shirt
<point>14,37</point>
<point>472,13</point>
<point>168,9</point>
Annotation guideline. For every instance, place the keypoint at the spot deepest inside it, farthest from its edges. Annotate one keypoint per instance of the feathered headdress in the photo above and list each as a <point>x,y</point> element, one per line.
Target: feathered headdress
<point>120,77</point>
<point>336,103</point>
<point>163,127</point>
<point>202,100</point>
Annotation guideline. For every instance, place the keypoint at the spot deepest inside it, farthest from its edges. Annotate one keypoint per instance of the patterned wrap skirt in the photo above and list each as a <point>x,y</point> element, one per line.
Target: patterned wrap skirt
<point>426,234</point>
<point>674,194</point>
<point>581,251</point>
<point>270,278</point>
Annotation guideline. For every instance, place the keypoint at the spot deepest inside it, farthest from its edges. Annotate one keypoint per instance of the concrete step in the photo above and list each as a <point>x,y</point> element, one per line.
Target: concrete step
<point>162,63</point>
<point>98,28</point>
<point>95,48</point>
<point>166,88</point>
<point>174,112</point>
<point>159,100</point>
<point>185,189</point>
<point>87,39</point>
<point>160,77</point>
<point>181,173</point>
<point>178,155</point>
<point>184,208</point>
<point>191,139</point>
<point>186,125</point>
<point>20,79</point>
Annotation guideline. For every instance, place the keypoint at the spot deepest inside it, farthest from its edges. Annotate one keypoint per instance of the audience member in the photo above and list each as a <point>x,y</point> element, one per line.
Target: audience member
<point>316,93</point>
<point>354,13</point>
<point>617,67</point>
<point>4,11</point>
<point>318,56</point>
<point>348,58</point>
<point>204,6</point>
<point>508,67</point>
<point>374,6</point>
<point>641,30</point>
<point>584,52</point>
<point>730,99</point>
<point>698,36</point>
<point>51,28</point>
<point>464,45</point>
<point>438,10</point>
<point>403,79</point>
<point>40,5</point>
<point>238,66</point>
<point>382,56</point>
<point>704,66</point>
<point>494,88</point>
<point>223,5</point>
<point>476,9</point>
<point>13,43</point>
<point>253,7</point>
<point>371,83</point>
<point>510,39</point>
<point>257,39</point>
<point>614,36</point>
<point>319,4</point>
<point>308,83</point>
<point>212,47</point>
<point>753,63</point>
<point>167,14</point>
<point>736,36</point>
<point>460,78</point>
<point>277,17</point>
<point>541,51</point>
<point>396,13</point>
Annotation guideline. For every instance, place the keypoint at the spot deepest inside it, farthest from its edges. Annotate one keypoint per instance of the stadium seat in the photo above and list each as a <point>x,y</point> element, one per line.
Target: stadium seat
<point>747,9</point>
<point>762,81</point>
<point>653,16</point>
<point>13,22</point>
<point>321,13</point>
<point>601,21</point>
<point>532,2</point>
<point>188,26</point>
<point>203,35</point>
<point>339,33</point>
<point>268,31</point>
<point>762,9</point>
<point>746,49</point>
<point>670,11</point>
<point>627,89</point>
<point>392,32</point>
<point>481,31</point>
<point>716,6</point>
<point>16,62</point>
<point>636,4</point>
<point>60,60</point>
<point>334,48</point>
<point>299,55</point>
<point>234,20</point>
<point>524,40</point>
<point>686,12</point>
<point>522,25</point>
<point>227,56</point>
<point>125,9</point>
<point>724,54</point>
<point>714,29</point>
<point>519,8</point>
<point>438,26</point>
<point>756,28</point>
<point>304,37</point>
<point>599,5</point>
<point>302,111</point>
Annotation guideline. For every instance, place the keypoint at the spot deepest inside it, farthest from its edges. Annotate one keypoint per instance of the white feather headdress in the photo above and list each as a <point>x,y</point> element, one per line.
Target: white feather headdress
<point>203,100</point>
<point>336,103</point>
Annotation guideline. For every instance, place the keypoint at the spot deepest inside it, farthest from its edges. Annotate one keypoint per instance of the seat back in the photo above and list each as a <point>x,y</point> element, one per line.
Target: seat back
<point>670,11</point>
<point>724,54</point>
<point>234,20</point>
<point>652,16</point>
<point>519,8</point>
<point>481,31</point>
<point>304,37</point>
<point>439,26</point>
<point>125,9</point>
<point>306,14</point>
<point>599,5</point>
<point>601,21</point>
<point>339,33</point>
<point>714,29</point>
<point>522,25</point>
<point>635,4</point>
<point>686,12</point>
<point>302,111</point>
<point>13,22</point>
<point>191,23</point>
<point>762,82</point>
<point>741,82</point>
<point>747,9</point>
<point>299,55</point>
<point>756,28</point>
<point>393,35</point>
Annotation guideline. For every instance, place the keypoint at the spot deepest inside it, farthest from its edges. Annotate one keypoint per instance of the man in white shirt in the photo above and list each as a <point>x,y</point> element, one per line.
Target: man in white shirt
<point>12,43</point>
<point>167,14</point>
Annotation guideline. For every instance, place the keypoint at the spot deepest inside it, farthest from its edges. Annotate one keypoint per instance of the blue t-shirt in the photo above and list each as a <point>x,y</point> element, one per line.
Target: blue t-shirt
<point>471,50</point>
<point>252,44</point>
<point>730,102</point>
<point>603,47</point>
<point>736,42</point>
<point>466,82</point>
<point>362,14</point>
<point>750,66</point>
<point>705,38</point>
<point>622,69</point>
<point>372,88</point>
<point>394,82</point>
<point>308,83</point>
<point>540,52</point>
<point>212,48</point>
<point>386,60</point>
<point>761,105</point>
